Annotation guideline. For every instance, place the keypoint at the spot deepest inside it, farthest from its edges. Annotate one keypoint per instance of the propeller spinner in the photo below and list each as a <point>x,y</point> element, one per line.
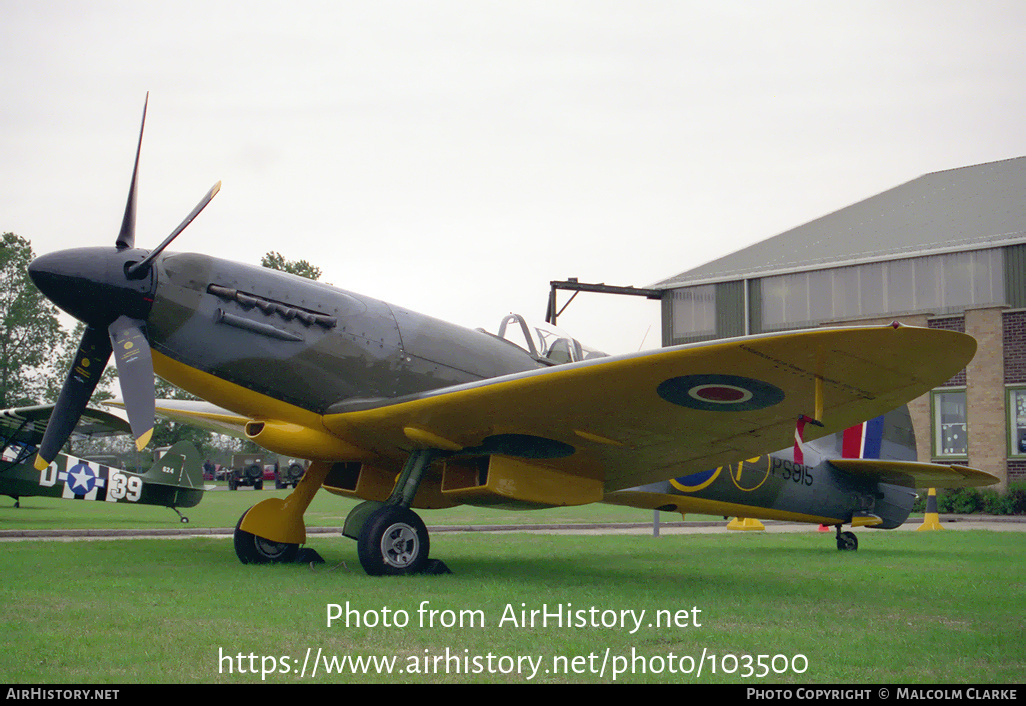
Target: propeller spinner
<point>111,291</point>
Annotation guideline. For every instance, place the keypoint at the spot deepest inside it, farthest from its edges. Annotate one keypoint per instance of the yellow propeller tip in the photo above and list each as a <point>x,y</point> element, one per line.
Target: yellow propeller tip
<point>143,440</point>
<point>41,463</point>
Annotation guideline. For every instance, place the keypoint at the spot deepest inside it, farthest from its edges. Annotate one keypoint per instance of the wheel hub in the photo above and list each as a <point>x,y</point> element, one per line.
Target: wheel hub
<point>399,545</point>
<point>269,549</point>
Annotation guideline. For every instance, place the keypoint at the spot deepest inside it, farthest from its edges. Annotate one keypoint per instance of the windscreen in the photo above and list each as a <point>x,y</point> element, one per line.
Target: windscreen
<point>544,341</point>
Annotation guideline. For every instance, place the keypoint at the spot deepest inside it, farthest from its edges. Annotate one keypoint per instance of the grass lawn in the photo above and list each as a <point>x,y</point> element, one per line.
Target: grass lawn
<point>906,608</point>
<point>222,508</point>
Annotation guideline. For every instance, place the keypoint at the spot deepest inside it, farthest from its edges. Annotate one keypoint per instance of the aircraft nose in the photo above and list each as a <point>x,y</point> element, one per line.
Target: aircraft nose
<point>91,284</point>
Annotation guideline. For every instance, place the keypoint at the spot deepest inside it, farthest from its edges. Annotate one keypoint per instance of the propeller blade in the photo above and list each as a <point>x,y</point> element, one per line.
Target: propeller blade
<point>135,371</point>
<point>140,268</point>
<point>126,238</point>
<point>90,360</point>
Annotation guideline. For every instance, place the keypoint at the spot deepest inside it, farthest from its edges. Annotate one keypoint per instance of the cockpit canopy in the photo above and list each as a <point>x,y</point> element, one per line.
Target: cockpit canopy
<point>545,342</point>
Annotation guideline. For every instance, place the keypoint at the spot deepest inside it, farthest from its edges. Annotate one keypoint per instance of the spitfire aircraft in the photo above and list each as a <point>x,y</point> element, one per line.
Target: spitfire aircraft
<point>174,481</point>
<point>404,410</point>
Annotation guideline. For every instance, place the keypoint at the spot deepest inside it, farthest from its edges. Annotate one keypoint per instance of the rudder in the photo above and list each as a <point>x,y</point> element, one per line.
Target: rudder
<point>179,467</point>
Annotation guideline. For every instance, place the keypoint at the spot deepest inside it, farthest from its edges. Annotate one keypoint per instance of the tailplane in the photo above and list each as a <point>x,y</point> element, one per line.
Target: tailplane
<point>882,452</point>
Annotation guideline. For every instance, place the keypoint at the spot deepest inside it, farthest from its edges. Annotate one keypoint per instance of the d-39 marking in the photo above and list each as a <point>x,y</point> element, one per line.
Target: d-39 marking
<point>175,480</point>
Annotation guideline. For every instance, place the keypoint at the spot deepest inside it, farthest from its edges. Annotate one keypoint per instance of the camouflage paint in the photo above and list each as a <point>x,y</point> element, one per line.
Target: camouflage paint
<point>774,485</point>
<point>306,343</point>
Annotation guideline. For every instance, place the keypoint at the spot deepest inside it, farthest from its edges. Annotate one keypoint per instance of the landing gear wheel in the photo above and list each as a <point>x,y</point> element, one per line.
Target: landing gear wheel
<point>252,549</point>
<point>847,541</point>
<point>393,542</point>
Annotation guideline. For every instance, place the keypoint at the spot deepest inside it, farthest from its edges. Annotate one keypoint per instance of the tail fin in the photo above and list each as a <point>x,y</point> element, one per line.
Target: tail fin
<point>883,450</point>
<point>863,440</point>
<point>888,447</point>
<point>889,437</point>
<point>180,467</point>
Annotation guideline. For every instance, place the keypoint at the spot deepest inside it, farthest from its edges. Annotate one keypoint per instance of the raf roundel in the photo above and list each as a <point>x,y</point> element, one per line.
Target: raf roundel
<point>720,393</point>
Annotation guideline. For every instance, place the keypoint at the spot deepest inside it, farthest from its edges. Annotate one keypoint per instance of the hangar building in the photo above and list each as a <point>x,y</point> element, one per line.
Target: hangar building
<point>946,250</point>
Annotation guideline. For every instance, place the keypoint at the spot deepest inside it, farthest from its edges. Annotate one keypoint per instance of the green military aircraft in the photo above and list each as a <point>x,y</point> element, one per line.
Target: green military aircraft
<point>174,481</point>
<point>403,410</point>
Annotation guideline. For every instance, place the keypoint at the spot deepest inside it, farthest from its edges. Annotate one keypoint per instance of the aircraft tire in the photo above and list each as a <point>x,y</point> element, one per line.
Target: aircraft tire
<point>393,542</point>
<point>847,542</point>
<point>256,550</point>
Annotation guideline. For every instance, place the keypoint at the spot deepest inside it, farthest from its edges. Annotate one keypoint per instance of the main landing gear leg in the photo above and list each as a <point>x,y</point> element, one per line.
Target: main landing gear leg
<point>273,529</point>
<point>391,540</point>
<point>846,541</point>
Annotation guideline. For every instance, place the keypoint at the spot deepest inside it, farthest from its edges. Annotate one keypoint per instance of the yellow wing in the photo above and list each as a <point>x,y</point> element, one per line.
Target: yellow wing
<point>916,475</point>
<point>635,419</point>
<point>199,413</point>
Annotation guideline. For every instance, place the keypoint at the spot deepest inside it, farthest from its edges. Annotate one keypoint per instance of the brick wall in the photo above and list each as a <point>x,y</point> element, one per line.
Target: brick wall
<point>1015,347</point>
<point>1016,471</point>
<point>951,323</point>
<point>985,393</point>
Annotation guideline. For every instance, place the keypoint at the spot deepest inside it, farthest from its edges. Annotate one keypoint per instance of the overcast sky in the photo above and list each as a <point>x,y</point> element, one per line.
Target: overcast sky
<point>454,157</point>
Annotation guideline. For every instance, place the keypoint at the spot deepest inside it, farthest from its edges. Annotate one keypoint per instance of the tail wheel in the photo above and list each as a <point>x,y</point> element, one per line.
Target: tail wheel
<point>393,542</point>
<point>252,549</point>
<point>847,541</point>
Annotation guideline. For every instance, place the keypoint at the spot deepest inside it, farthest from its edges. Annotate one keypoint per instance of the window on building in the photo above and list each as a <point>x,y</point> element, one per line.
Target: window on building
<point>1017,421</point>
<point>950,434</point>
<point>694,312</point>
<point>937,284</point>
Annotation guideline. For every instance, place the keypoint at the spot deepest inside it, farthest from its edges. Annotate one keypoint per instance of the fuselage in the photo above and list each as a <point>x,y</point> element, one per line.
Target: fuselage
<point>305,343</point>
<point>774,486</point>
<point>72,478</point>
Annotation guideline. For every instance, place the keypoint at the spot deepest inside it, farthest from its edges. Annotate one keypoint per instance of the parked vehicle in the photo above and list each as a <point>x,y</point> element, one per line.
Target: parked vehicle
<point>288,474</point>
<point>247,469</point>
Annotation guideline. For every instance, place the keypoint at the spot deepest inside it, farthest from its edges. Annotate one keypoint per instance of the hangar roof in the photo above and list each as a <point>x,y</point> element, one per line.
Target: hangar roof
<point>981,206</point>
